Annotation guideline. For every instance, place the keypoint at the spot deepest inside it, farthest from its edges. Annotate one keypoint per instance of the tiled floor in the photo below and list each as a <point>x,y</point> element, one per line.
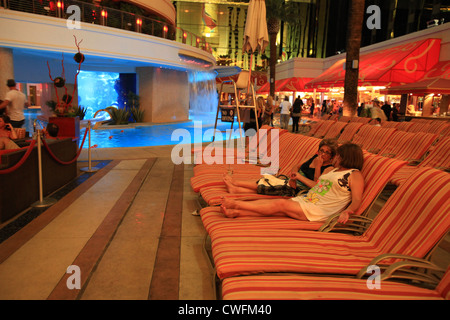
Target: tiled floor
<point>129,229</point>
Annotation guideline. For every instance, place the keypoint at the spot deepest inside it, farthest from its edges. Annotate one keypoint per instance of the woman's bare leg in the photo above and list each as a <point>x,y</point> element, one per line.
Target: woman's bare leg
<point>239,186</point>
<point>270,207</point>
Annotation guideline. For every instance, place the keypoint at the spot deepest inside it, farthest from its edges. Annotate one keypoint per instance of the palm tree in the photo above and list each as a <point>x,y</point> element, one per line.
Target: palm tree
<point>277,11</point>
<point>354,30</point>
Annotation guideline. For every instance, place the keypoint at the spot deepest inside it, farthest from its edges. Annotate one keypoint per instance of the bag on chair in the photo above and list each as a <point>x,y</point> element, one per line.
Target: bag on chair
<point>275,186</point>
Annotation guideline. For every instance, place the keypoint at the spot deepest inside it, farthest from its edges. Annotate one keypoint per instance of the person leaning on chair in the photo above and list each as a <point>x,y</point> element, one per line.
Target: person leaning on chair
<point>14,103</point>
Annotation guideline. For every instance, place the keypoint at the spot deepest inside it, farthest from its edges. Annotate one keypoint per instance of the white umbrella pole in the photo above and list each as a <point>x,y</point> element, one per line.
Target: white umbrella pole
<point>89,168</point>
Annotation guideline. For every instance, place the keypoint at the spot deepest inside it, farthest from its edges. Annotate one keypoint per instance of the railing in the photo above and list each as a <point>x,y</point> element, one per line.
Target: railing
<point>97,14</point>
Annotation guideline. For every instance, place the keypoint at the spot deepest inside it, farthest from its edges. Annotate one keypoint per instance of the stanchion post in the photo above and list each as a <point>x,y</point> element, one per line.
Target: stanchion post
<point>89,168</point>
<point>48,201</point>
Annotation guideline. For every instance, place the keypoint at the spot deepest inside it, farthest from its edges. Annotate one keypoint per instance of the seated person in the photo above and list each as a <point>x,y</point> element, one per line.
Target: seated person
<point>51,131</point>
<point>377,122</point>
<point>339,190</point>
<point>310,170</point>
<point>7,133</point>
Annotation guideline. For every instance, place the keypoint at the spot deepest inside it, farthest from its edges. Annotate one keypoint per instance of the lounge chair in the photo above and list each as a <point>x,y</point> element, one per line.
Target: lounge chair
<point>376,171</point>
<point>335,131</point>
<point>438,157</point>
<point>412,222</point>
<point>298,287</point>
<point>292,149</point>
<point>322,130</point>
<point>349,132</point>
<point>408,146</point>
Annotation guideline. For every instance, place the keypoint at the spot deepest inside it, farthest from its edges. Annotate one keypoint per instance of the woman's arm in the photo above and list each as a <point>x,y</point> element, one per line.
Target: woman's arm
<point>356,182</point>
<point>13,134</point>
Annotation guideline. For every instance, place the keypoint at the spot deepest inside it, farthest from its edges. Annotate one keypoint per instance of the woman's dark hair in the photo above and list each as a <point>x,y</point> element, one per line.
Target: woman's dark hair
<point>6,118</point>
<point>351,156</point>
<point>52,129</point>
<point>330,143</point>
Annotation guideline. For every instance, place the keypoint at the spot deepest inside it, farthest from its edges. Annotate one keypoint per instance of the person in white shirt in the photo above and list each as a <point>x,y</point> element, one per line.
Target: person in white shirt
<point>14,103</point>
<point>285,113</point>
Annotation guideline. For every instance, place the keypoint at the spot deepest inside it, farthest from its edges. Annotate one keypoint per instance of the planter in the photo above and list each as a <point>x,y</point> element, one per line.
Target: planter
<point>68,126</point>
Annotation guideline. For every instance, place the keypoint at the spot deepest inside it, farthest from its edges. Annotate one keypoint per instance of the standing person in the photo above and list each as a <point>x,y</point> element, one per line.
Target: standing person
<point>296,113</point>
<point>285,113</point>
<point>395,112</point>
<point>360,108</point>
<point>338,191</point>
<point>324,107</point>
<point>387,109</point>
<point>14,103</point>
<point>311,107</point>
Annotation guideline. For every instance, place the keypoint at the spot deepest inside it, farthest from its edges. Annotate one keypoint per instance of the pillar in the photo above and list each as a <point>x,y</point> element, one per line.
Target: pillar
<point>163,94</point>
<point>6,69</point>
<point>427,108</point>
<point>443,104</point>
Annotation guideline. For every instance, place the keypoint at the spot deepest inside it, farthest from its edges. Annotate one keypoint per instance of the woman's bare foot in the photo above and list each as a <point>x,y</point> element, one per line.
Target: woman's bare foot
<point>229,213</point>
<point>228,180</point>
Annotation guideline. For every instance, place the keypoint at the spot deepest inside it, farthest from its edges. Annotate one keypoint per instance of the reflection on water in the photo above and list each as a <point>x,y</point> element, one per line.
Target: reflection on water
<point>146,135</point>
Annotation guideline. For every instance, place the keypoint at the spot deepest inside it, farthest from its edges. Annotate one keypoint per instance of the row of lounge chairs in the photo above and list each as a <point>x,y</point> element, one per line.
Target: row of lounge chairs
<point>283,258</point>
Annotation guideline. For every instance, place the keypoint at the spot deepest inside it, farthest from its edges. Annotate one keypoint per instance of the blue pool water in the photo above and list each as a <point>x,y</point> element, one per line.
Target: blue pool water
<point>153,135</point>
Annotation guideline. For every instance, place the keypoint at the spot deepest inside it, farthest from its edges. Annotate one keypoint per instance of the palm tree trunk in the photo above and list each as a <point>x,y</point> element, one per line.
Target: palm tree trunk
<point>273,26</point>
<point>354,30</point>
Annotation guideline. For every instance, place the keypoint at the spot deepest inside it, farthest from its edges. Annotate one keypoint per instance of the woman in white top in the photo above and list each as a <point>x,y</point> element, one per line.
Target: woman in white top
<point>339,190</point>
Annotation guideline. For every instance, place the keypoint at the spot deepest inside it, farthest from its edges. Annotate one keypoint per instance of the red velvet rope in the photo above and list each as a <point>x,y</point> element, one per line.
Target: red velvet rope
<point>66,162</point>
<point>18,164</point>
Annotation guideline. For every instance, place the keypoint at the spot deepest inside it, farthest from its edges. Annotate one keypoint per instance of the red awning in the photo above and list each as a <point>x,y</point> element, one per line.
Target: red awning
<point>266,87</point>
<point>393,66</point>
<point>294,84</point>
<point>436,80</point>
<point>260,77</point>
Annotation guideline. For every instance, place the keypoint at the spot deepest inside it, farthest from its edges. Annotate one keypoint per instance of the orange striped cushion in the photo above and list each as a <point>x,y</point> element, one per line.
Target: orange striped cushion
<point>407,224</point>
<point>349,131</point>
<point>263,150</point>
<point>297,287</point>
<point>440,127</point>
<point>439,156</point>
<point>293,149</point>
<point>335,130</point>
<point>314,127</point>
<point>408,145</point>
<point>323,129</point>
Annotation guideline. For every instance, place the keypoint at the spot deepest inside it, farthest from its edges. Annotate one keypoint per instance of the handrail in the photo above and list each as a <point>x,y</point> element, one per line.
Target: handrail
<point>65,162</point>
<point>109,17</point>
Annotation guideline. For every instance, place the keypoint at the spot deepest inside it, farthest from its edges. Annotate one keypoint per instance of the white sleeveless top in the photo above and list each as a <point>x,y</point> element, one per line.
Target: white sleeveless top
<point>330,195</point>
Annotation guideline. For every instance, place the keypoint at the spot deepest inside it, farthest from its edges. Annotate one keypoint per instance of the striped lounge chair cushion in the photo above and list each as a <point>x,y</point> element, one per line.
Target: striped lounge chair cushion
<point>297,287</point>
<point>323,129</point>
<point>335,130</point>
<point>439,157</point>
<point>411,222</point>
<point>292,150</point>
<point>262,149</point>
<point>408,145</point>
<point>349,131</point>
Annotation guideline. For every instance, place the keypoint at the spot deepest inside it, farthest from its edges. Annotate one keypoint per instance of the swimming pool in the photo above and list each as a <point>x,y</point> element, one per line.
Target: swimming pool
<point>198,129</point>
